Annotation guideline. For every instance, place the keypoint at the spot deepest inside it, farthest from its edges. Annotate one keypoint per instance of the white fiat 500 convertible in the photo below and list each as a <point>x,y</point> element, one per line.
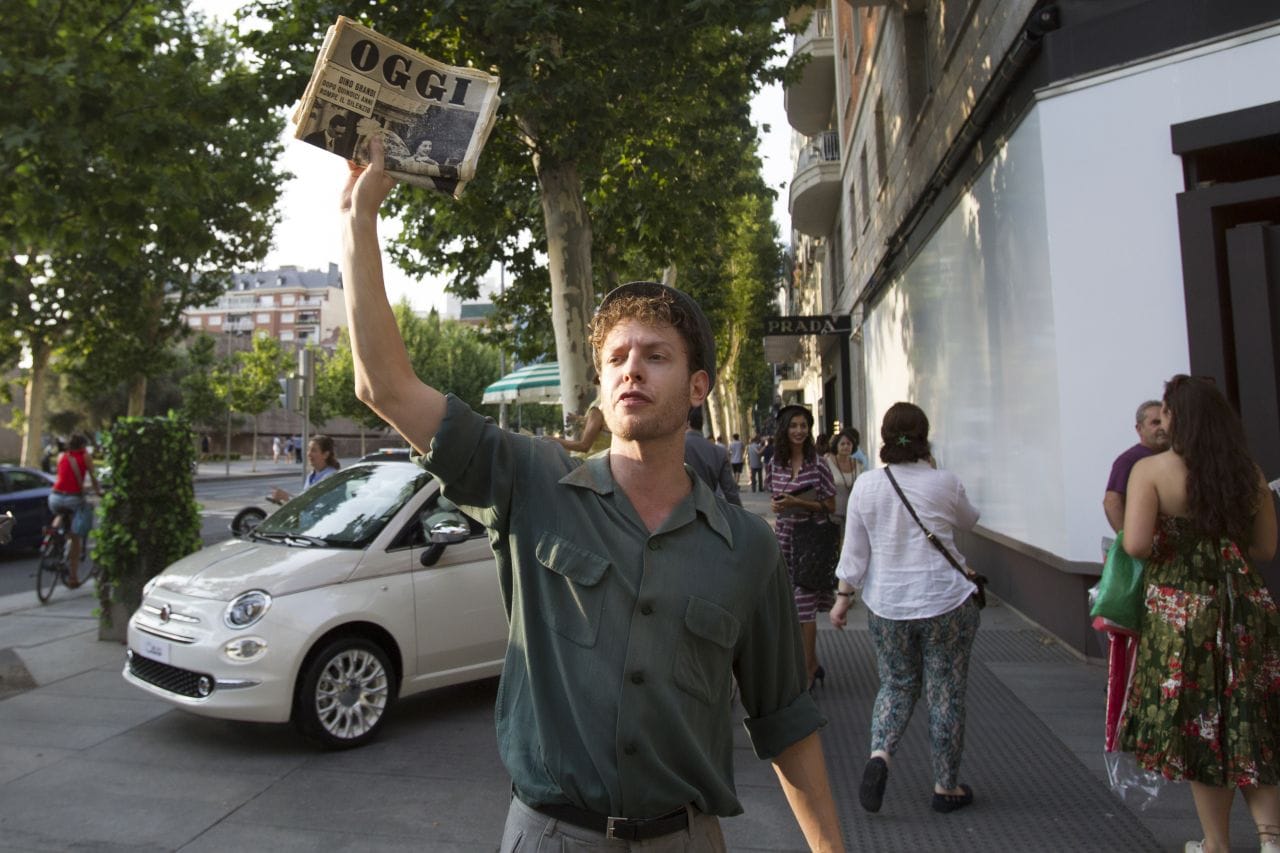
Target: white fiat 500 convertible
<point>368,586</point>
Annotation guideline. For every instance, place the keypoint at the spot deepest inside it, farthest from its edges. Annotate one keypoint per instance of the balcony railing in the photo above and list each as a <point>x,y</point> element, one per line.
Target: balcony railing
<point>823,148</point>
<point>819,28</point>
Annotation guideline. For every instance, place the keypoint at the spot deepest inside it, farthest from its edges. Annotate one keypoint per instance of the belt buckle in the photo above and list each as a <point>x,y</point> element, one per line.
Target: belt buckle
<point>611,825</point>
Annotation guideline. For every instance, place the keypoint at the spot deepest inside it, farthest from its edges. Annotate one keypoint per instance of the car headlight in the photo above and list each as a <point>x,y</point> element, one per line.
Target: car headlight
<point>246,609</point>
<point>245,649</point>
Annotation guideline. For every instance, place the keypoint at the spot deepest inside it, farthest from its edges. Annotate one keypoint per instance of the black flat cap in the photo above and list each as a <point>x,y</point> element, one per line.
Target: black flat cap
<point>705,360</point>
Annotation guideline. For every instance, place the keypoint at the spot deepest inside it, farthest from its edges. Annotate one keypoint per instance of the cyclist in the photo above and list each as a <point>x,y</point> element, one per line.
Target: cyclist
<point>68,499</point>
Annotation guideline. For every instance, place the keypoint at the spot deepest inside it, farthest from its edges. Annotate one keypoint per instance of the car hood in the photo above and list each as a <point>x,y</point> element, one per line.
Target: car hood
<point>224,571</point>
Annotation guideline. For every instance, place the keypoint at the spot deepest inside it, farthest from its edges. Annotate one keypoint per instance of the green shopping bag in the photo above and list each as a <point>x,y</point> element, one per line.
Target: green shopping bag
<point>1118,598</point>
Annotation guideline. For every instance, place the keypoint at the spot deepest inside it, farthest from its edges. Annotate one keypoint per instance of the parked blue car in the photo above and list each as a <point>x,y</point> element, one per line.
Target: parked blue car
<point>25,493</point>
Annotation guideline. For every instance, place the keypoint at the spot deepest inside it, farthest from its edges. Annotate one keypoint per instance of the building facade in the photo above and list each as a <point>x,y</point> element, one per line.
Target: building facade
<point>1034,214</point>
<point>291,305</point>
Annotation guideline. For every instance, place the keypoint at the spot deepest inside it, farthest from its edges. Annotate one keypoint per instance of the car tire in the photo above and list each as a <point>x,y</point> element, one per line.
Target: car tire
<point>344,693</point>
<point>246,520</point>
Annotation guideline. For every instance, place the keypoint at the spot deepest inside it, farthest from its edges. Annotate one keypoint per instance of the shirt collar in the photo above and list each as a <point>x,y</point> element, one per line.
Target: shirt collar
<point>594,474</point>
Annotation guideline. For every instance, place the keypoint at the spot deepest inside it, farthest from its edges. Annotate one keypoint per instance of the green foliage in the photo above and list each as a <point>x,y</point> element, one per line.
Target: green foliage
<point>201,404</point>
<point>138,169</point>
<point>661,138</point>
<point>255,385</point>
<point>149,517</point>
<point>447,355</point>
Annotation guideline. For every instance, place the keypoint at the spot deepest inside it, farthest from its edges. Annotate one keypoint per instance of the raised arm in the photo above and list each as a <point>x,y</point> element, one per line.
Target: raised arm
<point>384,377</point>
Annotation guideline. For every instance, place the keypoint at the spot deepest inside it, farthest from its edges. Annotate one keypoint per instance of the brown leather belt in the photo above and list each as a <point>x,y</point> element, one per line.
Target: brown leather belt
<point>625,829</point>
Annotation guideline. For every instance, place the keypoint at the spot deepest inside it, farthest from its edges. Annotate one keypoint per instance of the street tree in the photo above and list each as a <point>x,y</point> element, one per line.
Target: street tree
<point>599,135</point>
<point>201,404</point>
<point>446,354</point>
<point>254,384</point>
<point>137,163</point>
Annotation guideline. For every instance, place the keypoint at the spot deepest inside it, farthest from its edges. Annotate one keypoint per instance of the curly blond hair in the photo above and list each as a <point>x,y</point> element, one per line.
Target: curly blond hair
<point>652,310</point>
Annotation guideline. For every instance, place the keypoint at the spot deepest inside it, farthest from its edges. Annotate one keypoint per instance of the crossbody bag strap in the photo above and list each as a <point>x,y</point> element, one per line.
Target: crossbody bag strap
<point>76,468</point>
<point>928,534</point>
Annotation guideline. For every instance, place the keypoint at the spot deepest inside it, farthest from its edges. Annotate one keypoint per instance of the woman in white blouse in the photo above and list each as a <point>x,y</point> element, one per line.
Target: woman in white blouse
<point>844,469</point>
<point>919,611</point>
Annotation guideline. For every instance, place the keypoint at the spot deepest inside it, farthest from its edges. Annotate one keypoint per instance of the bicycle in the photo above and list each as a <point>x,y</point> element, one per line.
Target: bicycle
<point>54,558</point>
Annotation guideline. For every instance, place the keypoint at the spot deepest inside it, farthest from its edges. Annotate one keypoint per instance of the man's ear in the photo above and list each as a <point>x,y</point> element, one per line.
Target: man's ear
<point>699,387</point>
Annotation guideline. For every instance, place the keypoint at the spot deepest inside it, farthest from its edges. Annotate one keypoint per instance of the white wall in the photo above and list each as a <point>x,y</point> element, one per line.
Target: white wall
<point>1049,302</point>
<point>1111,182</point>
<point>968,335</point>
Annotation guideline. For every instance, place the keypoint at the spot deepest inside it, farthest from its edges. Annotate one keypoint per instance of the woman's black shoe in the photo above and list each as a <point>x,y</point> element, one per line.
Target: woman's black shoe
<point>874,777</point>
<point>819,677</point>
<point>947,803</point>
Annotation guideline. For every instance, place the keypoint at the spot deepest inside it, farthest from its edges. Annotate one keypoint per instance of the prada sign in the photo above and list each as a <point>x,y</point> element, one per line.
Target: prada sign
<point>824,324</point>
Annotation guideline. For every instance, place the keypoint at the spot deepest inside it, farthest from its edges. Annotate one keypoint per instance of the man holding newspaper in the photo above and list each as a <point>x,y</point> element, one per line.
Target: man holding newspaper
<point>634,597</point>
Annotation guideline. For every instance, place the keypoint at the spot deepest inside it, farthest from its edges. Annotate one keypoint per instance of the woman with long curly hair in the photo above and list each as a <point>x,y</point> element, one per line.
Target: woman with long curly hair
<point>801,486</point>
<point>1204,705</point>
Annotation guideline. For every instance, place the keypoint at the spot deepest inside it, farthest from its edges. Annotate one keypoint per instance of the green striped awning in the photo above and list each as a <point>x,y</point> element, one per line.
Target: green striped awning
<point>533,383</point>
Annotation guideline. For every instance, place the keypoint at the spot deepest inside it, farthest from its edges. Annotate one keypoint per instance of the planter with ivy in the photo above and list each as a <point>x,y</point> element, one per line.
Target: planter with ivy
<point>148,517</point>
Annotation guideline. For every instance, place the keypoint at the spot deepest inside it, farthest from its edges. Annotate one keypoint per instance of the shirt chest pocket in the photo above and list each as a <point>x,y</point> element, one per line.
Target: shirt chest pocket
<point>704,657</point>
<point>572,595</point>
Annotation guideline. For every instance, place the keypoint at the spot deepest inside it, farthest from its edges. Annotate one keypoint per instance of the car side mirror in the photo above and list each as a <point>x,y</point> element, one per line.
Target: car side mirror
<point>449,532</point>
<point>431,555</point>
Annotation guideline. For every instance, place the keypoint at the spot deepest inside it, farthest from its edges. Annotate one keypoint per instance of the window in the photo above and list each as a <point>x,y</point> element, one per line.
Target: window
<point>286,336</point>
<point>215,320</point>
<point>853,219</point>
<point>287,299</point>
<point>866,186</point>
<point>22,481</point>
<point>915,38</point>
<point>881,147</point>
<point>193,321</point>
<point>267,301</point>
<point>264,318</point>
<point>286,317</point>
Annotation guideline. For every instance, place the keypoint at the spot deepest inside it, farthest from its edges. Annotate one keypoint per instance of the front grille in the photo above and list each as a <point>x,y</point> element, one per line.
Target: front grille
<point>166,677</point>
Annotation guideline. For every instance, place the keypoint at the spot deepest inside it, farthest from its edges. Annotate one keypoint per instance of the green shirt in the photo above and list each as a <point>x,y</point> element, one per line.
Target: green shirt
<point>615,692</point>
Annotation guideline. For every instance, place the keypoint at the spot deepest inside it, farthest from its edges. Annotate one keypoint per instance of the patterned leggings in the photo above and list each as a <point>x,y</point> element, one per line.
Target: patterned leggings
<point>935,651</point>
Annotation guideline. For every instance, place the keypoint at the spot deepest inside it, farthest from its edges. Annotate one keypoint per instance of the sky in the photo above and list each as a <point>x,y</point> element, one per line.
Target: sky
<point>307,235</point>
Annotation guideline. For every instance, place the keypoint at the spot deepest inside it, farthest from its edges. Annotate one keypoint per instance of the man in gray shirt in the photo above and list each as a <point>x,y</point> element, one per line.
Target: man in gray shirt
<point>709,460</point>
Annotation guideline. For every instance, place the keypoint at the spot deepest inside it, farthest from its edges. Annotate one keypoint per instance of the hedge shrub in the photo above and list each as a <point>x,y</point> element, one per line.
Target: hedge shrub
<point>148,517</point>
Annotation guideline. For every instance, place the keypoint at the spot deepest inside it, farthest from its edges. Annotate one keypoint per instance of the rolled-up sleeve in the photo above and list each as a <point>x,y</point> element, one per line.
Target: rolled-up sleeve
<point>770,672</point>
<point>475,461</point>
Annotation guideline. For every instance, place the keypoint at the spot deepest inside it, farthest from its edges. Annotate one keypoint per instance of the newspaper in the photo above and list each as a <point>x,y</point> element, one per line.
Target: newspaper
<point>433,118</point>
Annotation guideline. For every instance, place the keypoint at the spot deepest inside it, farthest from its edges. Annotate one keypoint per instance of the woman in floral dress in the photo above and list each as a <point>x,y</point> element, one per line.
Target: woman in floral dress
<point>1204,705</point>
<point>801,484</point>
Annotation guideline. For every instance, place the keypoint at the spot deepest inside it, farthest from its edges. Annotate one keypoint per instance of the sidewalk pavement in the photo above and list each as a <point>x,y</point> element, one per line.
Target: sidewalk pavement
<point>88,761</point>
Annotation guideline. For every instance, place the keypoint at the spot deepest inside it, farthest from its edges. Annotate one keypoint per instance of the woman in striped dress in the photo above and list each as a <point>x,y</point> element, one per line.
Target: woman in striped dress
<point>801,484</point>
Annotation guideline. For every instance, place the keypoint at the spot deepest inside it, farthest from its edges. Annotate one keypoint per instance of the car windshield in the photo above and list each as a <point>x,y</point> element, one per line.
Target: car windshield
<point>347,509</point>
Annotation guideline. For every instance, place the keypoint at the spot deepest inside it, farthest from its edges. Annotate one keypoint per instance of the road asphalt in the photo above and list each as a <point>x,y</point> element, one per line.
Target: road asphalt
<point>89,762</point>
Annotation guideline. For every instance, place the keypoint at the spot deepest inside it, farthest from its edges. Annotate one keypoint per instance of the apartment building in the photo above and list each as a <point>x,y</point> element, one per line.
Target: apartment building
<point>1032,214</point>
<point>292,305</point>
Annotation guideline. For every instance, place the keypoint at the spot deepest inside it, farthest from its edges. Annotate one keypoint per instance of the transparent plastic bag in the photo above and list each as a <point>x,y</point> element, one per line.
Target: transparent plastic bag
<point>1137,788</point>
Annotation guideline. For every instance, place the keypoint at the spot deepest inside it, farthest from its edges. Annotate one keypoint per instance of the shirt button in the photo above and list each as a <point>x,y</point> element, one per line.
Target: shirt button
<point>637,678</point>
<point>629,749</point>
<point>653,545</point>
<point>646,609</point>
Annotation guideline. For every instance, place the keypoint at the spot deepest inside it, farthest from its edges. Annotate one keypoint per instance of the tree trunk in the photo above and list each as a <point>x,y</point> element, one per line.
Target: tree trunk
<point>568,228</point>
<point>253,465</point>
<point>137,397</point>
<point>33,425</point>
